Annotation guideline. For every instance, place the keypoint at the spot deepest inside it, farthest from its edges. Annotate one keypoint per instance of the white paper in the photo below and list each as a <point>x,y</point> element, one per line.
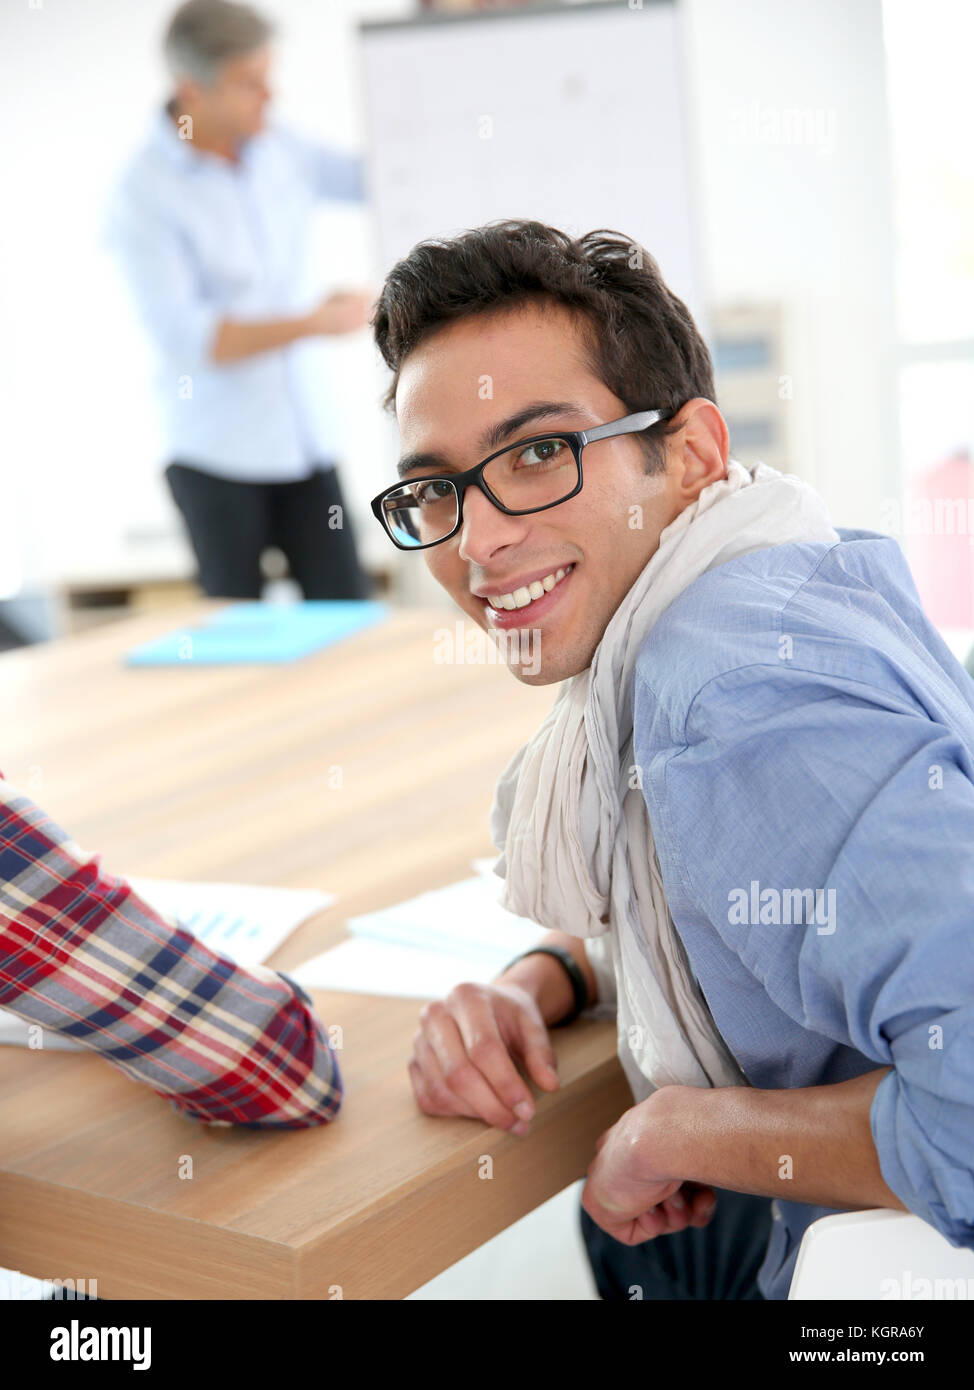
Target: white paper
<point>363,965</point>
<point>238,920</point>
<point>421,948</point>
<point>465,918</point>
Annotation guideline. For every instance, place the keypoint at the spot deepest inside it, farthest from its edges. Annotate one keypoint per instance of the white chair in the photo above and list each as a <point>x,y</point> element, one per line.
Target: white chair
<point>880,1255</point>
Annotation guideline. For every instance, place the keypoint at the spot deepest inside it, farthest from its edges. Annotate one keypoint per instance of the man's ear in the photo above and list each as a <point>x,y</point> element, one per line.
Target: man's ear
<point>699,450</point>
<point>187,94</point>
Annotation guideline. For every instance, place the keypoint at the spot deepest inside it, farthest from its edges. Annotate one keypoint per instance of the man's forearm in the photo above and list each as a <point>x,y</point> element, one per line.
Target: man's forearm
<point>812,1144</point>
<point>236,338</point>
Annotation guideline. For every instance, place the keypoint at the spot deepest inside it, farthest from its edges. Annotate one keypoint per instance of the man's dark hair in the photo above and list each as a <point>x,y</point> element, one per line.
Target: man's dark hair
<point>643,343</point>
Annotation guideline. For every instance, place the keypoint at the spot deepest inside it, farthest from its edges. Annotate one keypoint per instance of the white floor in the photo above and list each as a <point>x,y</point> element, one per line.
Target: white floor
<point>541,1256</point>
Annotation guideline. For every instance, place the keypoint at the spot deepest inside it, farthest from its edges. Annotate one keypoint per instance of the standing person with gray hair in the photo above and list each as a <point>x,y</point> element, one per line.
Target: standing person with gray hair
<point>210,221</point>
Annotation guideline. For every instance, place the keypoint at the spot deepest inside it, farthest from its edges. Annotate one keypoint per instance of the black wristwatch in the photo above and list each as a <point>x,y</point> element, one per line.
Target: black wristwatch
<point>579,987</point>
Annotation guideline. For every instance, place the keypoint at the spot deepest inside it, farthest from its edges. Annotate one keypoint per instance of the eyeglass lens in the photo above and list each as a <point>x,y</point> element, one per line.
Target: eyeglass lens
<point>524,478</point>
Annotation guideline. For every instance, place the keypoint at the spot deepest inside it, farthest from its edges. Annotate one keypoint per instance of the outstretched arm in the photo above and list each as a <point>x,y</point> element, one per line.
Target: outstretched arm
<point>81,953</point>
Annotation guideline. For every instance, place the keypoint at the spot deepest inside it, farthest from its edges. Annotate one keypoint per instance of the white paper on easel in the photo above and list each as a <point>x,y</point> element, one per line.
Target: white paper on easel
<point>239,920</point>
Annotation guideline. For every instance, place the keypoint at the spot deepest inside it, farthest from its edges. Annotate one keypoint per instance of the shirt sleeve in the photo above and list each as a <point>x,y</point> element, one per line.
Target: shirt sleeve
<point>82,954</point>
<point>157,265</point>
<point>824,829</point>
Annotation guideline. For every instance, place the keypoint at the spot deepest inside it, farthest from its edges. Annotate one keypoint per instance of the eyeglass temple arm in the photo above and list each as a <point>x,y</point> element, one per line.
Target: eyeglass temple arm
<point>631,424</point>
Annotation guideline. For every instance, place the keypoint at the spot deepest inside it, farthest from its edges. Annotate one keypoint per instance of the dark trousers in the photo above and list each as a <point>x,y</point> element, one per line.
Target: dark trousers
<point>717,1261</point>
<point>231,523</point>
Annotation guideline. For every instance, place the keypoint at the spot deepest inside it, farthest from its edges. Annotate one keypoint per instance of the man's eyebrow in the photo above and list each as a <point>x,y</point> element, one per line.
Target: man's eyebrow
<point>538,410</point>
<point>494,437</point>
<point>429,463</point>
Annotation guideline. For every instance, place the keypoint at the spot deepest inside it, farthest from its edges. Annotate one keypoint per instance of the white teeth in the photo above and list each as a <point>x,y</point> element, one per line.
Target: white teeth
<point>528,593</point>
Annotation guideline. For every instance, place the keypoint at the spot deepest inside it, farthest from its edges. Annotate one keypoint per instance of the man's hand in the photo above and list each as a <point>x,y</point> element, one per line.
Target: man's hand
<point>342,312</point>
<point>463,1058</point>
<point>629,1190</point>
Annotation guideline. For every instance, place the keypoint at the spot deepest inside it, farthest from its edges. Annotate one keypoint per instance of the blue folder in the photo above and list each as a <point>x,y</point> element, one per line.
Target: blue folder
<point>260,633</point>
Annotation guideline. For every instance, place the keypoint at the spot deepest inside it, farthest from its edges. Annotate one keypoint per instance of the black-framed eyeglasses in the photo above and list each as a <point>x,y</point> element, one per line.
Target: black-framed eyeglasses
<point>528,476</point>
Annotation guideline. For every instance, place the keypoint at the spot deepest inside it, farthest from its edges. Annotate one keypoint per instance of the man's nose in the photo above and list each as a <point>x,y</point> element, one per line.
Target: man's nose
<point>485,529</point>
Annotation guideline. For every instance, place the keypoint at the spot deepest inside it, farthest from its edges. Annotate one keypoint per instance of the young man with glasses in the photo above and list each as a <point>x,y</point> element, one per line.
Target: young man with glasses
<point>747,818</point>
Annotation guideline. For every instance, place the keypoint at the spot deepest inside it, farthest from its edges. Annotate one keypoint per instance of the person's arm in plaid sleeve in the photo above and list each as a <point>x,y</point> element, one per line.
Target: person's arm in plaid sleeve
<point>81,953</point>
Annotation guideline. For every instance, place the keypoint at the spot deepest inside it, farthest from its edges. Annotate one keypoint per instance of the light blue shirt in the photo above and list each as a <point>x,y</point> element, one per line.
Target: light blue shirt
<point>201,239</point>
<point>800,725</point>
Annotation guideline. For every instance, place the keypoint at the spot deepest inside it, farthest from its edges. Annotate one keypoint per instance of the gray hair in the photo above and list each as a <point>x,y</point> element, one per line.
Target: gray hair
<point>202,34</point>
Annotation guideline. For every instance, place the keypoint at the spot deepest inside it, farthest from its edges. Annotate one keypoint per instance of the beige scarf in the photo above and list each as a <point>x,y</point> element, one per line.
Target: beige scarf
<point>577,848</point>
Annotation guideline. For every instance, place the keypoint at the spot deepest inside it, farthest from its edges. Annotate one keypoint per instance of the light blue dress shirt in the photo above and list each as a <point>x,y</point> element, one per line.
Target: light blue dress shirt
<point>201,239</point>
<point>800,725</point>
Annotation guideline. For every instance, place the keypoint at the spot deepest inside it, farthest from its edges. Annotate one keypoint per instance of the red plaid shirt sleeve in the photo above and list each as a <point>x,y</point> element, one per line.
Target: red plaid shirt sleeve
<point>81,953</point>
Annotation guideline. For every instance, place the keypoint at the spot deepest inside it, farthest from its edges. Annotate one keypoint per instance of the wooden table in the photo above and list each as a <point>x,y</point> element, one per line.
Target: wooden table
<point>230,774</point>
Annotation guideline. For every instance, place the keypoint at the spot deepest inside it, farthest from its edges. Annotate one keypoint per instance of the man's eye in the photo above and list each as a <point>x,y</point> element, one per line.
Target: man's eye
<point>434,491</point>
<point>543,451</point>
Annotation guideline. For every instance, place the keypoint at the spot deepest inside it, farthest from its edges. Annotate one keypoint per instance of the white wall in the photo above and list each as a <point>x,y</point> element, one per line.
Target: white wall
<point>807,220</point>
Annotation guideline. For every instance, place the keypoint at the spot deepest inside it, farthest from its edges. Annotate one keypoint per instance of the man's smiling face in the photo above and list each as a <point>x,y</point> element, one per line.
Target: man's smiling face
<point>536,360</point>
